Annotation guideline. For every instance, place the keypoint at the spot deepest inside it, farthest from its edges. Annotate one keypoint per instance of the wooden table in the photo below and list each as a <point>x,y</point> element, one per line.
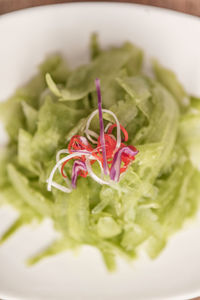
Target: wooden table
<point>187,6</point>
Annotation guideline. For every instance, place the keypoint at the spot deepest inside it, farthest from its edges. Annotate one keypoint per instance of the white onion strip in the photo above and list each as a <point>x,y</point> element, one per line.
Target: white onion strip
<point>61,187</point>
<point>118,127</point>
<point>93,175</point>
<point>64,159</point>
<point>63,151</point>
<point>107,126</point>
<point>87,130</point>
<point>94,134</point>
<point>66,179</point>
<point>58,164</point>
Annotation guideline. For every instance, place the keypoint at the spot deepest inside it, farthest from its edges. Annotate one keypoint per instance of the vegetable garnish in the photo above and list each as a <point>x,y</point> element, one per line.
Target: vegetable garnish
<point>102,137</point>
<point>113,156</point>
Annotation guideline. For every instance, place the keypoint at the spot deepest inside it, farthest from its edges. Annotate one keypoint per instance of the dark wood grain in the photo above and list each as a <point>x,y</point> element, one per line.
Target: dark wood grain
<point>187,6</point>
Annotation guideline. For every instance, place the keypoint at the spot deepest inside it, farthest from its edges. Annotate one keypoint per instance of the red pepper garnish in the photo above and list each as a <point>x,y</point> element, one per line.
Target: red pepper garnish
<point>78,143</point>
<point>110,144</point>
<point>111,127</point>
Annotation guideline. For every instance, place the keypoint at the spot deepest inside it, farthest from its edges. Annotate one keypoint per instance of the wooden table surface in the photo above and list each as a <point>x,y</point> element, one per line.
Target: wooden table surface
<point>187,6</point>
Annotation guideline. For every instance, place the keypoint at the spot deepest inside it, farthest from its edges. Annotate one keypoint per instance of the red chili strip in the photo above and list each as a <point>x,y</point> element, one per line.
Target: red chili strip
<point>110,145</point>
<point>111,127</point>
<point>83,173</point>
<point>76,144</point>
<point>62,168</point>
<point>127,159</point>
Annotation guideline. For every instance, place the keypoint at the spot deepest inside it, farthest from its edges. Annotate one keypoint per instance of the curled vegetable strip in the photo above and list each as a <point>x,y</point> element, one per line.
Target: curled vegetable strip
<point>116,165</point>
<point>59,163</point>
<point>93,175</point>
<point>61,187</point>
<point>63,151</point>
<point>117,123</point>
<point>92,133</point>
<point>88,132</point>
<point>102,137</point>
<point>55,184</point>
<point>67,158</point>
<point>77,167</point>
<point>112,126</point>
<point>107,126</point>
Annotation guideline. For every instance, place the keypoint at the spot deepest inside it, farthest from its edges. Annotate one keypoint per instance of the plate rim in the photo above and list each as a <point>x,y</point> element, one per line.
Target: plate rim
<point>100,3</point>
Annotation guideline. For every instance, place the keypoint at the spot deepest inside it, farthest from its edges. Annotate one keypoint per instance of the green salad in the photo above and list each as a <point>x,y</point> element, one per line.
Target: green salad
<point>115,166</point>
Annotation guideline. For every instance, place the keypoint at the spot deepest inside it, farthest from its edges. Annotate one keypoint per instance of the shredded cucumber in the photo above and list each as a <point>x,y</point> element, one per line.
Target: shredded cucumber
<point>155,196</point>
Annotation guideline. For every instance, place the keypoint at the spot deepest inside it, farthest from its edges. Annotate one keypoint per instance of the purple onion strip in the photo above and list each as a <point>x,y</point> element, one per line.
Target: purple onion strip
<point>77,167</point>
<point>116,164</point>
<point>102,138</point>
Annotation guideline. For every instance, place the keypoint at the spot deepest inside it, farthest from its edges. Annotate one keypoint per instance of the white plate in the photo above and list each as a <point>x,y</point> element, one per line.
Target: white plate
<point>25,38</point>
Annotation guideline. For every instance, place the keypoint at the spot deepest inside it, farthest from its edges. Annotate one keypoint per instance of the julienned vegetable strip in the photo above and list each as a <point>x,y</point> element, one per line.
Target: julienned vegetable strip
<point>110,153</point>
<point>127,154</point>
<point>102,138</point>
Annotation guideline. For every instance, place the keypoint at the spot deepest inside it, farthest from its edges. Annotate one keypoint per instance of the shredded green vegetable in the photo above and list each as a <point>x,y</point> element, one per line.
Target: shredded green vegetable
<point>155,196</point>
